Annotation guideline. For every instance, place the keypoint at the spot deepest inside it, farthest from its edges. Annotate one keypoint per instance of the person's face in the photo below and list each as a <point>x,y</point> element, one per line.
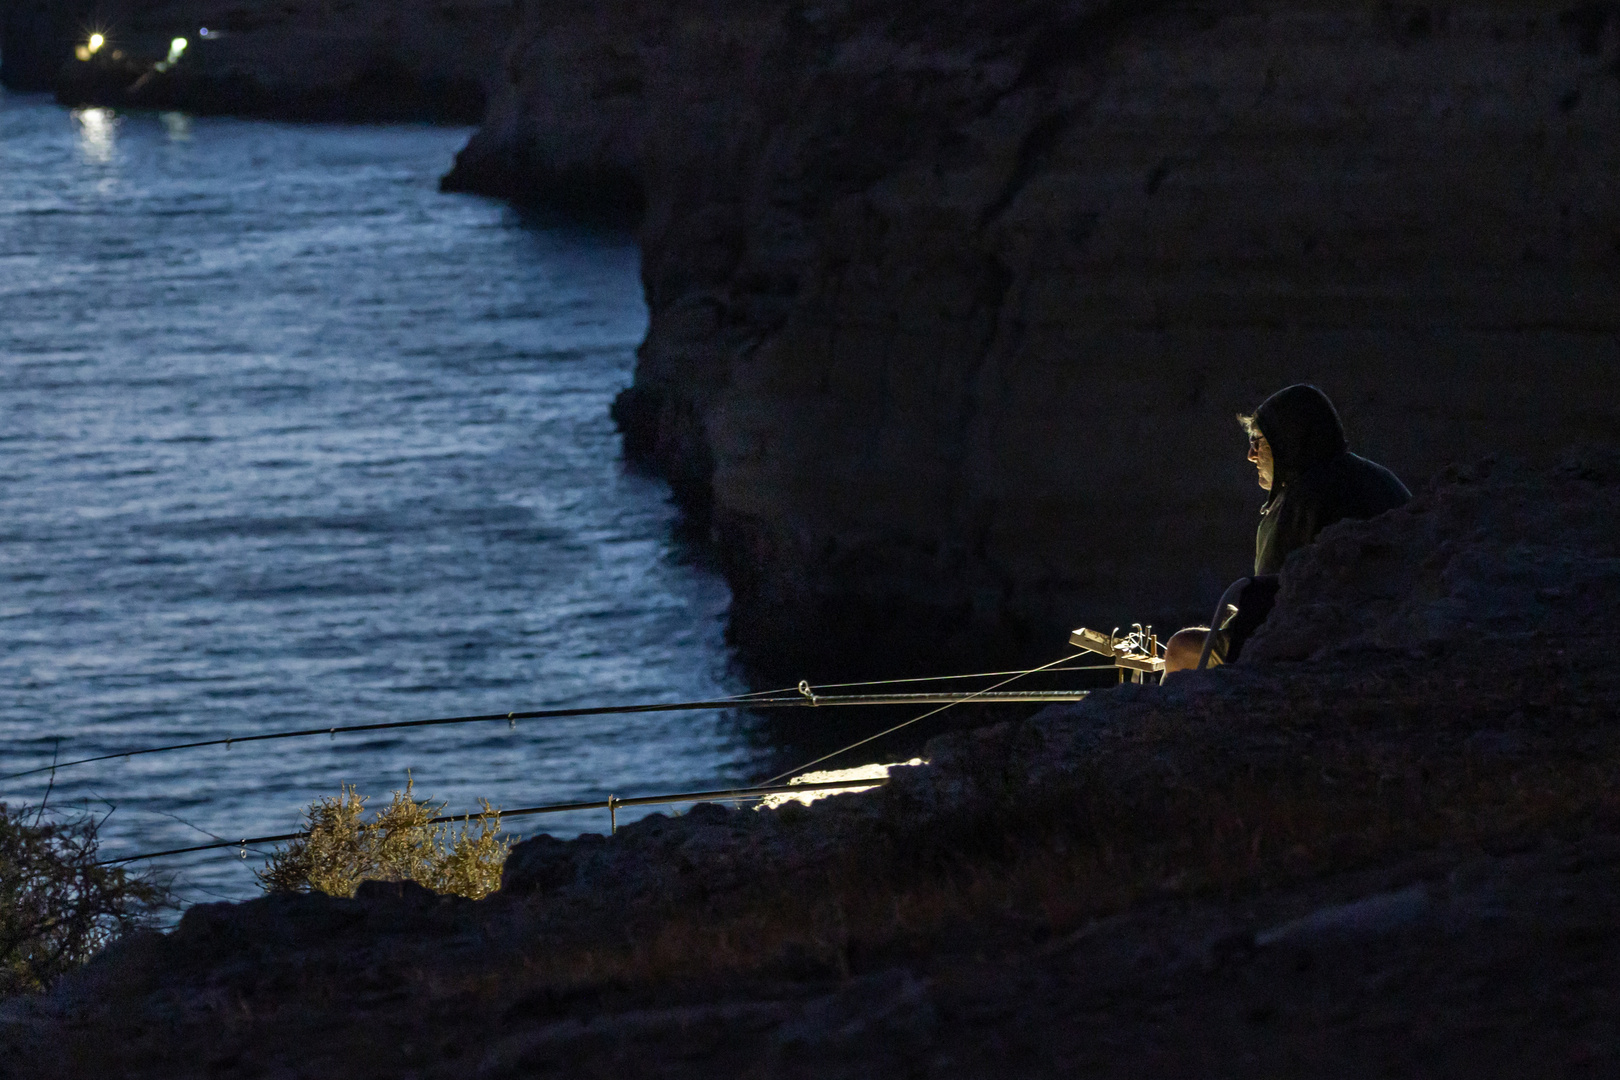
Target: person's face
<point>1260,454</point>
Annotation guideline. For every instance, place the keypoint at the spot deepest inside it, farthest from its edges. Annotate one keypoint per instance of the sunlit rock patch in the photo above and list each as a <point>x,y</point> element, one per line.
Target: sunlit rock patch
<point>833,776</point>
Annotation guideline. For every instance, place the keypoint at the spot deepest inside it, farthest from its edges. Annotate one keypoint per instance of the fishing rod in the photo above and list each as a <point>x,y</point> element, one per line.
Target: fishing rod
<point>611,804</point>
<point>805,697</point>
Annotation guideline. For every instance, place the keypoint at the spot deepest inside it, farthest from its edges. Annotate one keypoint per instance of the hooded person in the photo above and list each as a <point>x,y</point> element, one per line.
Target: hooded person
<point>1297,443</point>
<point>1315,479</point>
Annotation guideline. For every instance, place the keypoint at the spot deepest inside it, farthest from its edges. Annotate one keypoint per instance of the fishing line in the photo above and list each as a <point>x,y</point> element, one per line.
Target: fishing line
<point>933,712</point>
<point>936,678</point>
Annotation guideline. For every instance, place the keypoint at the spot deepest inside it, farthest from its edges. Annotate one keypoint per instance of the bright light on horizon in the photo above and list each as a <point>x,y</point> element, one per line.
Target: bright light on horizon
<point>95,43</point>
<point>176,48</point>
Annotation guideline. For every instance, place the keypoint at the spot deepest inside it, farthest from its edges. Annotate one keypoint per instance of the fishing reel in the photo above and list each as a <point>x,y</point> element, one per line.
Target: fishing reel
<point>1135,654</point>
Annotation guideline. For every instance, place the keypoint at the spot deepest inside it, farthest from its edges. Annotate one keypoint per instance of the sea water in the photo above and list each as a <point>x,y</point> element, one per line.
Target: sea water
<point>290,439</point>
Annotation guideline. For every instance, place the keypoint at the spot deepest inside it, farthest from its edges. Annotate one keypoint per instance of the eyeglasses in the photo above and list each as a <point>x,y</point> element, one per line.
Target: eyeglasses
<point>1255,439</point>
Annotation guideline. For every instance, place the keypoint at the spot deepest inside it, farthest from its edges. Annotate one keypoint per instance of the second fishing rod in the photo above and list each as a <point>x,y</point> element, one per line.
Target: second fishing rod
<point>805,696</point>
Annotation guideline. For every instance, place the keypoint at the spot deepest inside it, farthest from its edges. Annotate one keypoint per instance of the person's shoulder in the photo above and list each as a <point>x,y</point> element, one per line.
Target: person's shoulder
<point>1378,484</point>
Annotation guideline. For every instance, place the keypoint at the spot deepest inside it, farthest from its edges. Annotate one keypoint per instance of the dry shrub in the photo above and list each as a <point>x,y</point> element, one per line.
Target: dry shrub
<point>57,906</point>
<point>399,843</point>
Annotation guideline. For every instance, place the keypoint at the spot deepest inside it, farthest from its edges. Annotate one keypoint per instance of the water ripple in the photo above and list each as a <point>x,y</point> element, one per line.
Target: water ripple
<point>287,437</point>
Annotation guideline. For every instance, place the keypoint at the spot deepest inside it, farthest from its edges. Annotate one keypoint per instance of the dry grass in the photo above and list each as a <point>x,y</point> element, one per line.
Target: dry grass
<point>398,844</point>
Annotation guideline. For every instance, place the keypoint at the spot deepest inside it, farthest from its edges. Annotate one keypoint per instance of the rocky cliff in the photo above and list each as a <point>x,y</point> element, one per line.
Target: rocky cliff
<point>305,59</point>
<point>952,304</point>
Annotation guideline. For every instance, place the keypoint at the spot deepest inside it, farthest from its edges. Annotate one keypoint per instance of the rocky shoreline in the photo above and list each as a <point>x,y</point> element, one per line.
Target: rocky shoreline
<point>1388,840</point>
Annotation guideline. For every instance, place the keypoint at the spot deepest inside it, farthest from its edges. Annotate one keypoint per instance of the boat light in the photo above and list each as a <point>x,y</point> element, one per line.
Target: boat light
<point>176,48</point>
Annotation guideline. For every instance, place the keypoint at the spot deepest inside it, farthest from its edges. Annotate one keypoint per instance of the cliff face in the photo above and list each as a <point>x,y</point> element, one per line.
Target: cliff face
<point>952,305</point>
<point>306,59</point>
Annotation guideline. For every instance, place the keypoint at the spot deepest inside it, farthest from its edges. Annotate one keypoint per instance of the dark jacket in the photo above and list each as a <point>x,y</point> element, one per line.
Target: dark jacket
<point>1316,480</point>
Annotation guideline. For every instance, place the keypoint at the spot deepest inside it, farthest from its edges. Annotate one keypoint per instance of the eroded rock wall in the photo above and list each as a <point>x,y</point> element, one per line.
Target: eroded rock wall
<point>952,304</point>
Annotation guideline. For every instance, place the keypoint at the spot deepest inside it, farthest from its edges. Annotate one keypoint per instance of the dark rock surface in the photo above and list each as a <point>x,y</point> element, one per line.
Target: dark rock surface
<point>952,303</point>
<point>566,126</point>
<point>303,59</point>
<point>1388,843</point>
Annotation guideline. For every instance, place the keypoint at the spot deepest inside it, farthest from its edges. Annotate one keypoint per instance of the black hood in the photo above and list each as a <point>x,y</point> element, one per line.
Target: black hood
<point>1303,429</point>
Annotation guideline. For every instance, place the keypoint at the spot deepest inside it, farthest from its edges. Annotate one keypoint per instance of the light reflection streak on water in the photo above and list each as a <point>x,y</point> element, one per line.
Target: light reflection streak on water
<point>177,124</point>
<point>98,130</point>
